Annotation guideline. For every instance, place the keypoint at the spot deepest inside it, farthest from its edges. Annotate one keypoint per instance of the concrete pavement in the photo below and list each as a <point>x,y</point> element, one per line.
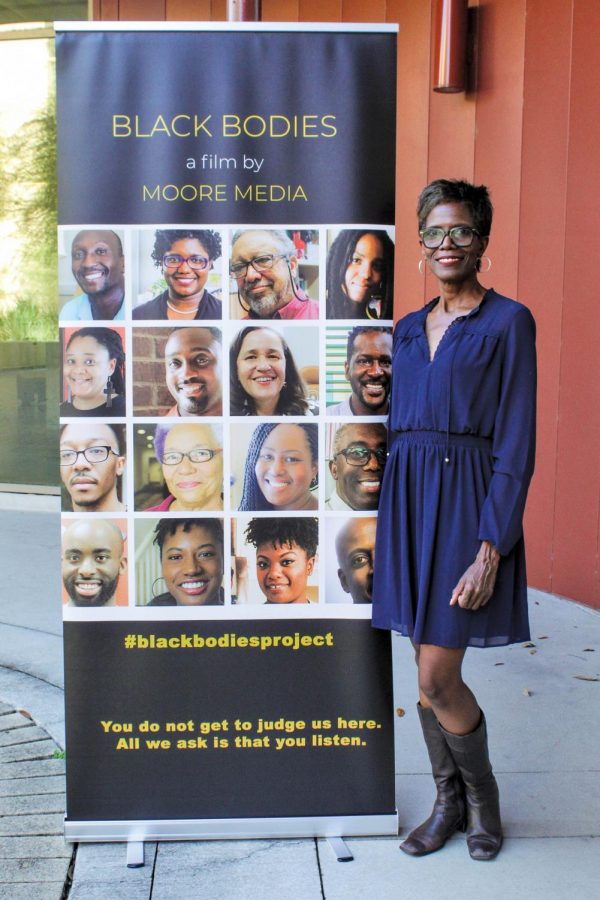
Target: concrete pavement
<point>542,707</point>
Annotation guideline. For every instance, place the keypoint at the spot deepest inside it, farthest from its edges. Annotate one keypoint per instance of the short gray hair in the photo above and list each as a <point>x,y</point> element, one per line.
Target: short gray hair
<point>280,238</point>
<point>343,430</point>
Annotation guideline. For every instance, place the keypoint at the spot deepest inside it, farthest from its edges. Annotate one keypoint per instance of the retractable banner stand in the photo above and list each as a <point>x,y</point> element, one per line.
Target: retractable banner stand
<point>226,242</point>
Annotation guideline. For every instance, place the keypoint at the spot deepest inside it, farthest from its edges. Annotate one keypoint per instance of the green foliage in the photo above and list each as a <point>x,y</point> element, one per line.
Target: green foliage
<point>59,754</point>
<point>29,321</point>
<point>29,163</point>
<point>28,201</point>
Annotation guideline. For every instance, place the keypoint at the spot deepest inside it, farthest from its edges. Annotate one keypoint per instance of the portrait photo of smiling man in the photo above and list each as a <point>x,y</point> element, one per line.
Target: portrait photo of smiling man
<point>357,459</point>
<point>93,560</point>
<point>264,271</point>
<point>193,371</point>
<point>177,371</point>
<point>98,266</point>
<point>92,463</point>
<point>367,369</point>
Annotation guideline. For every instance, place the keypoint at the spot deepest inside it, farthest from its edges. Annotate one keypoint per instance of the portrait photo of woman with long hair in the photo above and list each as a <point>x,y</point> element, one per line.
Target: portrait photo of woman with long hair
<point>360,275</point>
<point>264,376</point>
<point>281,468</point>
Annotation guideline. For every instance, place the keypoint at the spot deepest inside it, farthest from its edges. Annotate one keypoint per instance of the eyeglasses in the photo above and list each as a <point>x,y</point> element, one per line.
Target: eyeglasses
<point>91,454</point>
<point>174,260</point>
<point>460,235</point>
<point>258,263</point>
<point>174,457</point>
<point>361,456</point>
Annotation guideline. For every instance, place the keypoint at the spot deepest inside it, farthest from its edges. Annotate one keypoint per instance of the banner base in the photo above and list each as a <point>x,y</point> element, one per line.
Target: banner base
<point>232,829</point>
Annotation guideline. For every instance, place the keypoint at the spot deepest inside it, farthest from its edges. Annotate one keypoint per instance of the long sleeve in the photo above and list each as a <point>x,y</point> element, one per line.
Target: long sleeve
<point>513,446</point>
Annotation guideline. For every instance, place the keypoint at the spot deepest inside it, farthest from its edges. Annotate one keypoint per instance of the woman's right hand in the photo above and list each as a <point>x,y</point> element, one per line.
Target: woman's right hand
<point>476,586</point>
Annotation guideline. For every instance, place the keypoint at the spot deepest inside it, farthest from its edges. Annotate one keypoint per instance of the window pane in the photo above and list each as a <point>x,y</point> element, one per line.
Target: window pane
<point>41,11</point>
<point>28,303</point>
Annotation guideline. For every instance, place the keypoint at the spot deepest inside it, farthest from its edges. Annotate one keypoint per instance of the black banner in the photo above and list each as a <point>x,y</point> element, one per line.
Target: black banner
<point>221,477</point>
<point>234,719</point>
<point>174,126</point>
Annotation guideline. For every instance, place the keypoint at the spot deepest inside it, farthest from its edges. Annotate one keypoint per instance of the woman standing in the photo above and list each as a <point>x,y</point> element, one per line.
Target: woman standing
<point>451,564</point>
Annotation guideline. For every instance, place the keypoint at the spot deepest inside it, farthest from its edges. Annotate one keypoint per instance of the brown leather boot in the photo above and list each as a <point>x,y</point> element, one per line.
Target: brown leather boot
<point>448,814</point>
<point>484,829</point>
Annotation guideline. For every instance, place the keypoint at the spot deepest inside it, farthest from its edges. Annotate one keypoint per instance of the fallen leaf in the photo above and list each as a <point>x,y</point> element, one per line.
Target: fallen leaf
<point>527,692</point>
<point>400,712</point>
<point>587,677</point>
<point>26,714</point>
<point>543,637</point>
<point>532,652</point>
<point>528,644</point>
<point>589,649</point>
<point>498,664</point>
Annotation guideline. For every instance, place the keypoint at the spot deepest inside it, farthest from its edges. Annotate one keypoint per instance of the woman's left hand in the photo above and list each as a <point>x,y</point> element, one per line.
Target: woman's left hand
<point>476,586</point>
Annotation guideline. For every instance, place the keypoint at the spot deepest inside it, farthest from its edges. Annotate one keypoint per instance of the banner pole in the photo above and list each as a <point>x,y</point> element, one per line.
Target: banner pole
<point>135,854</point>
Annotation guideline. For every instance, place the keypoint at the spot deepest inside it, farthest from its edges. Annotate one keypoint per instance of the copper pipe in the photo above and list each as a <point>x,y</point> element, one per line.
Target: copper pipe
<point>450,34</point>
<point>243,10</point>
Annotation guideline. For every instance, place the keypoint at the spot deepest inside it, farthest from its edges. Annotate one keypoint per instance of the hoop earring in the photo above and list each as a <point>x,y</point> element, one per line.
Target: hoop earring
<point>108,391</point>
<point>371,307</point>
<point>422,266</point>
<point>479,269</point>
<point>154,583</point>
<point>314,483</point>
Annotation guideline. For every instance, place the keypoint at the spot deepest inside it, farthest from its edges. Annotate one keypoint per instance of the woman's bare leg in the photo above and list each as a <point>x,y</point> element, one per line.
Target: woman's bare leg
<point>442,688</point>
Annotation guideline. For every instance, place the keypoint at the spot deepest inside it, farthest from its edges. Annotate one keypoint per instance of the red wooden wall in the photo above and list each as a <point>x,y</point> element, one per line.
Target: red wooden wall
<point>529,128</point>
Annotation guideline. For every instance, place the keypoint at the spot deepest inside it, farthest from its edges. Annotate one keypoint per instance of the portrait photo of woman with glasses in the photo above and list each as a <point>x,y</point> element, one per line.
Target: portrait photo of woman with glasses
<point>185,259</point>
<point>184,463</point>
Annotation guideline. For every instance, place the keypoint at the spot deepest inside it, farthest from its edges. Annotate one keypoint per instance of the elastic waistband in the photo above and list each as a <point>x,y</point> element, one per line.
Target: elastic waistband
<point>440,438</point>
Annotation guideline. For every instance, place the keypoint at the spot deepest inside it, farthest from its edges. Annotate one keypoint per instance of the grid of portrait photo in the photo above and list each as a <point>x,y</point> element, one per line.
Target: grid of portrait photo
<point>223,417</point>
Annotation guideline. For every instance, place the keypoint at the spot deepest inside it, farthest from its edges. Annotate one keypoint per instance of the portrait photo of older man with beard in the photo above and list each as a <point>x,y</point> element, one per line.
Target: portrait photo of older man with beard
<point>264,269</point>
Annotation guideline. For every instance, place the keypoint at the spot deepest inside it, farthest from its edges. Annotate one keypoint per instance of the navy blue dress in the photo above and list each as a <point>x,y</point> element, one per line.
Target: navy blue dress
<point>462,447</point>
